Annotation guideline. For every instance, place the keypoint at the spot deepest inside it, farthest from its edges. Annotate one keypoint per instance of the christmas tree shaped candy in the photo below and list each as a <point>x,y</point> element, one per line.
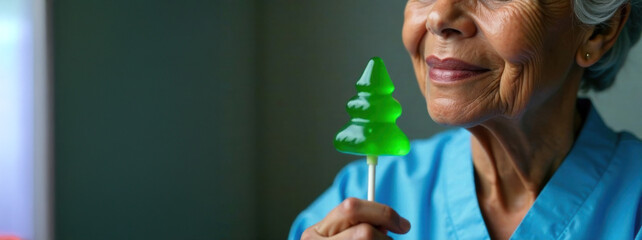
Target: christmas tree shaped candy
<point>372,130</point>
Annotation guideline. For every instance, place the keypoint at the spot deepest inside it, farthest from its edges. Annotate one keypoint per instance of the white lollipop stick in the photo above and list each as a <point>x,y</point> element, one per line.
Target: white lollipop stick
<point>372,164</point>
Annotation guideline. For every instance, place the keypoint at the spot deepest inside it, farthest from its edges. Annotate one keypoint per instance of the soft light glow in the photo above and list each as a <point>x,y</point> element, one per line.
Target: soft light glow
<point>16,119</point>
<point>9,32</point>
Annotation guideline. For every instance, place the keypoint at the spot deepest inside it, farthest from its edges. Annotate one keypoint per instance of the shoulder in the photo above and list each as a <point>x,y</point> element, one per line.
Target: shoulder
<point>629,143</point>
<point>625,182</point>
<point>629,151</point>
<point>623,176</point>
<point>627,161</point>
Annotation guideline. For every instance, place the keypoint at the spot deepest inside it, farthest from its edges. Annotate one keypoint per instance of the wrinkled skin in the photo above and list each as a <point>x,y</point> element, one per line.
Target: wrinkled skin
<point>520,108</point>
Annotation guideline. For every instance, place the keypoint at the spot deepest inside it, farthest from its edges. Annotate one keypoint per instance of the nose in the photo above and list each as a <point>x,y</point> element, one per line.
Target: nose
<point>450,19</point>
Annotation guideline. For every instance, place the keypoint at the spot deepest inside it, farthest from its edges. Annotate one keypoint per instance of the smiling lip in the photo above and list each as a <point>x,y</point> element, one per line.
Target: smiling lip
<point>450,70</point>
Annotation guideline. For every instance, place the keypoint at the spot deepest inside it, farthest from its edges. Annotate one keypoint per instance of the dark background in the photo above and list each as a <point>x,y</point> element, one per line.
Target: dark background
<point>207,119</point>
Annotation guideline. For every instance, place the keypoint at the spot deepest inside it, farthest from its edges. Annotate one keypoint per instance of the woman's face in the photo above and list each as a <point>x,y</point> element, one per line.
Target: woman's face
<point>480,59</point>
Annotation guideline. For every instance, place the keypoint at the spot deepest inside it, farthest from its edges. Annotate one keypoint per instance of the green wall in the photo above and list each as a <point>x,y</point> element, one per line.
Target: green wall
<point>153,119</point>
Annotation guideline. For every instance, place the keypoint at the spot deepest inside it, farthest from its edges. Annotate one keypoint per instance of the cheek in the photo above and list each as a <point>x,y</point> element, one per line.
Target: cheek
<point>413,32</point>
<point>526,31</point>
<point>515,32</point>
<point>533,42</point>
<point>414,27</point>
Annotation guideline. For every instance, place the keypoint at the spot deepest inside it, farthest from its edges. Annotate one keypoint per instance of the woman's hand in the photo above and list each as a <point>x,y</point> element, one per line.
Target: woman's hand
<point>358,219</point>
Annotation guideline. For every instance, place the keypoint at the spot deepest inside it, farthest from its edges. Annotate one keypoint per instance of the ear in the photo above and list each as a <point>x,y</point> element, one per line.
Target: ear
<point>600,38</point>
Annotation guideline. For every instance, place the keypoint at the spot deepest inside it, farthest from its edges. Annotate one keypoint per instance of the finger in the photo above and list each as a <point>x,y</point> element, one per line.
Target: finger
<point>353,211</point>
<point>361,231</point>
<point>382,229</point>
<point>311,234</point>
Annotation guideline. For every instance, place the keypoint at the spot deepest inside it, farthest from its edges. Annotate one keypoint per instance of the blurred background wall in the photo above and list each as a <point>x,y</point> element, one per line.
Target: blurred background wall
<point>154,119</point>
<point>203,119</point>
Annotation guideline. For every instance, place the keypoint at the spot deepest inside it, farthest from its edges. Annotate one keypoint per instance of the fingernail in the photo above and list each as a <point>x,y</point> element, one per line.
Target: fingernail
<point>404,224</point>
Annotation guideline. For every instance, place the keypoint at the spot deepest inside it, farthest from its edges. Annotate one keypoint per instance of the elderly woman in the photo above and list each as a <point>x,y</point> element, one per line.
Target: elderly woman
<point>531,160</point>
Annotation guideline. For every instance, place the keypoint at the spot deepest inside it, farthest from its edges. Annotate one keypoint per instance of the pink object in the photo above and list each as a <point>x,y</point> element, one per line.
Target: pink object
<point>9,237</point>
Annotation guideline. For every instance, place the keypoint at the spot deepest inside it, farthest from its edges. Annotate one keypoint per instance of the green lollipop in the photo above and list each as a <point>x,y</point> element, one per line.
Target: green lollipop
<point>372,130</point>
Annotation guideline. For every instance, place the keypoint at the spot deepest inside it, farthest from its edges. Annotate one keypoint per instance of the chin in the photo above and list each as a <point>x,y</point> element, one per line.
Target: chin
<point>457,112</point>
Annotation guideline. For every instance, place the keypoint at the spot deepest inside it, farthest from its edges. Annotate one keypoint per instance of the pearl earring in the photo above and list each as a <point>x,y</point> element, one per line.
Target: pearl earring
<point>588,55</point>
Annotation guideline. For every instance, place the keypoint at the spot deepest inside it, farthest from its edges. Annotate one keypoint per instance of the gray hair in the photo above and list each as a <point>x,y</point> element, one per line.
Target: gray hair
<point>601,75</point>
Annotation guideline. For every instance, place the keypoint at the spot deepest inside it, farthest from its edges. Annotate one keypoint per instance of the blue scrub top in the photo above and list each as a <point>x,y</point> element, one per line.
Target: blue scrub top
<point>596,193</point>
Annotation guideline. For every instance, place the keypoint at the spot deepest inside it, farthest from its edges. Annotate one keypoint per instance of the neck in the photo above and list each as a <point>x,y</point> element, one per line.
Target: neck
<point>515,158</point>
